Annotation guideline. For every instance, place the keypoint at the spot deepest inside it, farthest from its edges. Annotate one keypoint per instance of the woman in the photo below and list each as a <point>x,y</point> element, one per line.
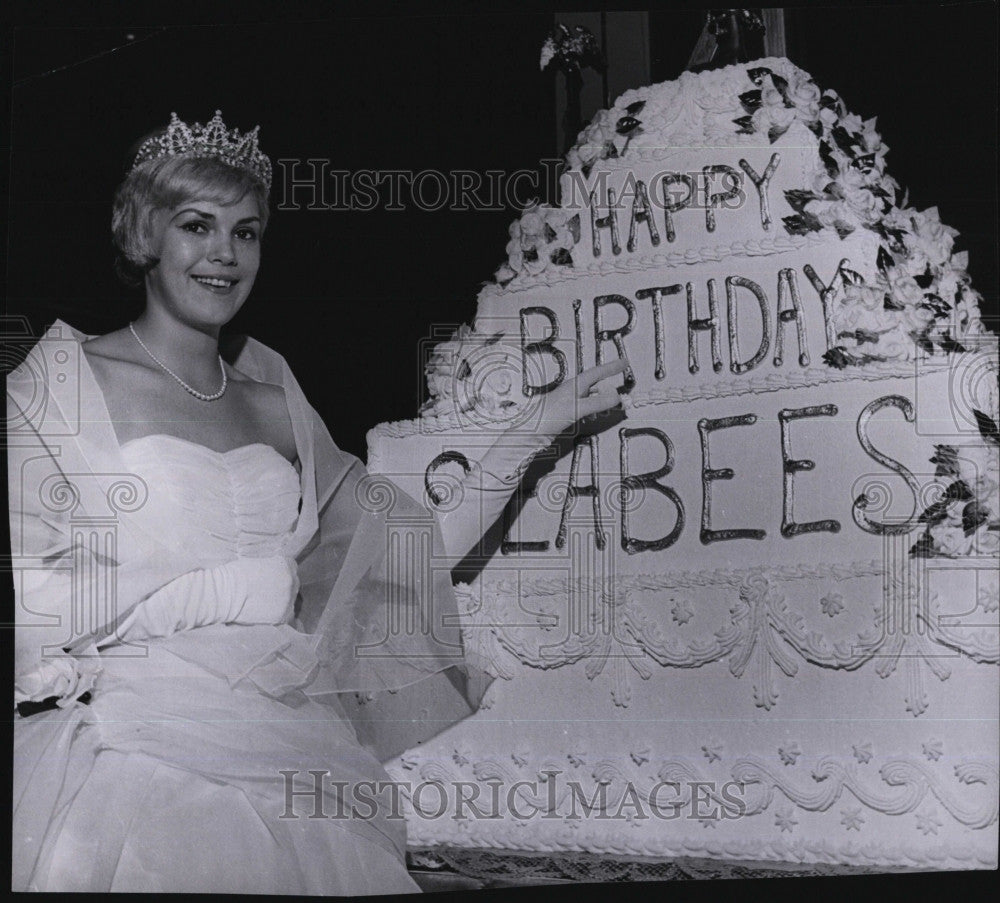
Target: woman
<point>200,572</point>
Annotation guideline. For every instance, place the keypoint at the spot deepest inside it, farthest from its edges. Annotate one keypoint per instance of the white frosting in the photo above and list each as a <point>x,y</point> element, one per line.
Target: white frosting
<point>846,675</point>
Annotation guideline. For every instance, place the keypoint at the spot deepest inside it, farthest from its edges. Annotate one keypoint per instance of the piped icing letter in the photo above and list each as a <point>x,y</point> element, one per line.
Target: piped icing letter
<point>710,474</point>
<point>602,222</point>
<point>791,466</point>
<point>735,364</point>
<point>545,345</point>
<point>573,491</point>
<point>712,324</point>
<point>762,183</point>
<point>864,500</point>
<point>788,287</point>
<point>614,335</point>
<point>643,481</point>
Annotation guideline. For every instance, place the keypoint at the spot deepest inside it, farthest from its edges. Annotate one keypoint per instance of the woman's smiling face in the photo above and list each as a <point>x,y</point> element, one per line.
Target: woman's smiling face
<point>208,259</point>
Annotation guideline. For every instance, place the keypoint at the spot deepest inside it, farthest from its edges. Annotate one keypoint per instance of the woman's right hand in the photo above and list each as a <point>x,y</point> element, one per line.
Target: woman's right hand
<point>578,397</point>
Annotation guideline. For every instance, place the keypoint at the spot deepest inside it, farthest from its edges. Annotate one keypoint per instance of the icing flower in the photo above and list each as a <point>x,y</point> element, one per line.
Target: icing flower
<point>852,123</point>
<point>828,117</point>
<point>804,95</point>
<point>870,136</point>
<point>979,468</point>
<point>866,207</point>
<point>930,237</point>
<point>832,213</point>
<point>778,117</point>
<point>544,236</point>
<point>905,289</point>
<point>770,96</point>
<point>66,678</point>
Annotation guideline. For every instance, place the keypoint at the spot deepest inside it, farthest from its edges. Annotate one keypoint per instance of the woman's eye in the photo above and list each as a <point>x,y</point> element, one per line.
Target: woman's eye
<point>246,234</point>
<point>195,226</point>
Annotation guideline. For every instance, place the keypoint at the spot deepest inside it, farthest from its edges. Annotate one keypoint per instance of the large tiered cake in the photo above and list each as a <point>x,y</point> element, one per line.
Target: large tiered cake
<point>752,616</point>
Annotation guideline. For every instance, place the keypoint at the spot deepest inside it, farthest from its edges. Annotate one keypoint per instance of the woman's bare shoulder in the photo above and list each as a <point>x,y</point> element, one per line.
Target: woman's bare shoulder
<point>113,348</point>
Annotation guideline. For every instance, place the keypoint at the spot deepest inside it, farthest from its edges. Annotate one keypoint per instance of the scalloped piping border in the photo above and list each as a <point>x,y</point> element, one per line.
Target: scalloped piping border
<point>777,850</point>
<point>693,256</point>
<point>549,586</point>
<point>439,423</point>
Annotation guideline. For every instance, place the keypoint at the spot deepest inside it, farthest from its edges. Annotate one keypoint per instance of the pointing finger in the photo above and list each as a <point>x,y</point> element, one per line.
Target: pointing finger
<point>596,404</point>
<point>602,371</point>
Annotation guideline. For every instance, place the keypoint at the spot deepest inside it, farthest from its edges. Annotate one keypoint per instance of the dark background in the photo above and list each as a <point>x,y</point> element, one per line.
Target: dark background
<point>353,298</point>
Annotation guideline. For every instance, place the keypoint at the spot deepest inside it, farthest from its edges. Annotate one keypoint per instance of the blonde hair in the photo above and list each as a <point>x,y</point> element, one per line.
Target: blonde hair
<point>165,183</point>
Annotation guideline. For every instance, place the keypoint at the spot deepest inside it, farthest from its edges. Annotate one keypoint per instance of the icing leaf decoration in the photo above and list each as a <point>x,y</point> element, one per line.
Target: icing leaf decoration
<point>937,304</point>
<point>884,259</point>
<point>896,235</point>
<point>798,198</point>
<point>840,358</point>
<point>859,335</point>
<point>801,224</point>
<point>946,459</point>
<point>843,229</point>
<point>958,492</point>
<point>816,127</point>
<point>780,83</point>
<point>757,75</point>
<point>974,516</point>
<point>610,152</point>
<point>865,162</point>
<point>626,125</point>
<point>561,257</point>
<point>987,426</point>
<point>751,101</point>
<point>464,370</point>
<point>826,155</point>
<point>843,140</point>
<point>635,107</point>
<point>531,254</point>
<point>828,101</point>
<point>889,303</point>
<point>925,279</point>
<point>775,132</point>
<point>850,277</point>
<point>574,226</point>
<point>924,343</point>
<point>949,345</point>
<point>549,232</point>
<point>934,514</point>
<point>745,124</point>
<point>837,357</point>
<point>923,547</point>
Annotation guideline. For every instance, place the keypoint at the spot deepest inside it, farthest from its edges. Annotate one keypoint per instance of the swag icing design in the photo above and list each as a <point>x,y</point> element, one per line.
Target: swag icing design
<point>765,632</point>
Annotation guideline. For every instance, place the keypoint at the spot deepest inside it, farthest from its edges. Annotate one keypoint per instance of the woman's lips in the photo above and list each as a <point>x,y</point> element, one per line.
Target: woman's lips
<point>216,285</point>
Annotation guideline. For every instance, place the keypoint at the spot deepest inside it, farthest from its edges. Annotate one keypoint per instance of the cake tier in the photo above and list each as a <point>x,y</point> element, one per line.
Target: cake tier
<point>751,616</point>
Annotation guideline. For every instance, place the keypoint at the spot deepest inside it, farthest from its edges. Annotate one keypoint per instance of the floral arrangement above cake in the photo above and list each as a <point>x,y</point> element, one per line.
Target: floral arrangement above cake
<point>964,519</point>
<point>920,297</point>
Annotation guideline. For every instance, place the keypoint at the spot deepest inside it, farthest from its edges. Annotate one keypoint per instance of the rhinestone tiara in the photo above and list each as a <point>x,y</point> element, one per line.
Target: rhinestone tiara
<point>211,140</point>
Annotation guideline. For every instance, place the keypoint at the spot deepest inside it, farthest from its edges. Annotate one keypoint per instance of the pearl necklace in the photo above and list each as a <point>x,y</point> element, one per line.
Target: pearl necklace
<point>204,397</point>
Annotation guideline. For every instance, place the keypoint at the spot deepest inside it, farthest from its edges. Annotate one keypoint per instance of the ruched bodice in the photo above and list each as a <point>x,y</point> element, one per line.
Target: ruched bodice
<point>202,696</point>
<point>236,510</point>
<point>240,503</point>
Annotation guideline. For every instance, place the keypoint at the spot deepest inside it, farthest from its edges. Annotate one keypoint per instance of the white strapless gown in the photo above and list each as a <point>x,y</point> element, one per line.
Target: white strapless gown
<point>170,779</point>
